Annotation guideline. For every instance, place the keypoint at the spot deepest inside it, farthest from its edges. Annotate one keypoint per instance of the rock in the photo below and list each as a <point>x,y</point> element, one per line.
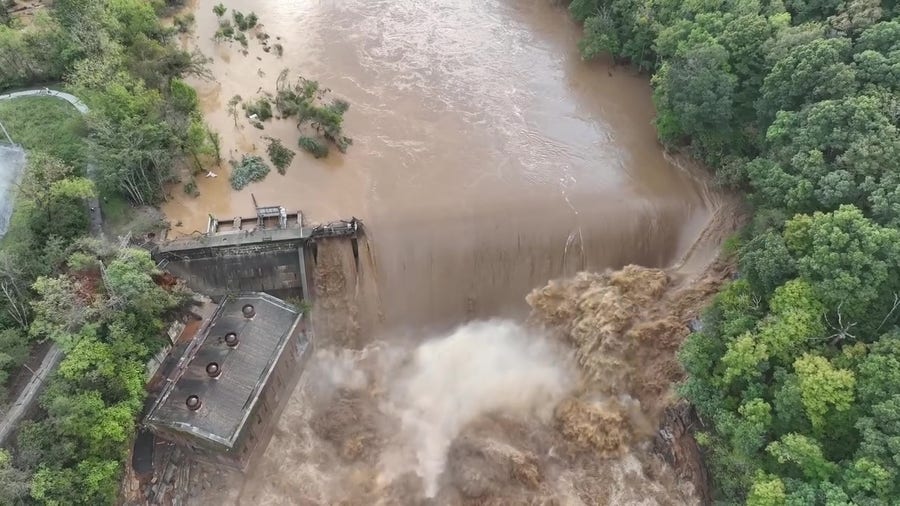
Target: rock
<point>675,443</point>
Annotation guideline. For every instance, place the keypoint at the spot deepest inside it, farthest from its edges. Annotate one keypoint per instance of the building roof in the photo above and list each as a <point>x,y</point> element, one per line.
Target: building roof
<point>227,400</point>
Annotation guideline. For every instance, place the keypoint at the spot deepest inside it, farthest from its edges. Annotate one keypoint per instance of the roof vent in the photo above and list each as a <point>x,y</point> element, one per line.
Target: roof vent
<point>248,310</point>
<point>231,339</point>
<point>193,402</point>
<point>213,370</point>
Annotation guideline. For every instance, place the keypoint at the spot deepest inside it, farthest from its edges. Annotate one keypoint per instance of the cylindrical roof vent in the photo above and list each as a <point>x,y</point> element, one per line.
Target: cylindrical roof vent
<point>213,370</point>
<point>231,339</point>
<point>248,311</point>
<point>193,402</point>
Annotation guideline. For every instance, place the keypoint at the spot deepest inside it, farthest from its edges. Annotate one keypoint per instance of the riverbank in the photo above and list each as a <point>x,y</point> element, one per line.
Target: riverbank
<point>96,300</point>
<point>784,102</point>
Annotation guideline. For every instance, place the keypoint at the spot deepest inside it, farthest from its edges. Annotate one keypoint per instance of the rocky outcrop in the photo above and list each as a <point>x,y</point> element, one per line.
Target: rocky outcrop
<point>675,443</point>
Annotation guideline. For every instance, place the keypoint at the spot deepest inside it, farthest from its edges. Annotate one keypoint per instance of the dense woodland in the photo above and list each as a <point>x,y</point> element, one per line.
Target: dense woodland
<point>796,371</point>
<point>99,302</point>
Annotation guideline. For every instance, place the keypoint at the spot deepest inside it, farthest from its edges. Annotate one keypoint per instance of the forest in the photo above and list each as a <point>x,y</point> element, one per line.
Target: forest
<point>795,103</point>
<point>102,303</point>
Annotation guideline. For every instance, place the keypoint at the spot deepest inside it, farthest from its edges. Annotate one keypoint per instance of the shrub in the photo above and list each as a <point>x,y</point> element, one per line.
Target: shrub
<point>313,146</point>
<point>220,10</point>
<point>250,169</point>
<point>225,31</point>
<point>191,188</point>
<point>240,37</point>
<point>279,49</point>
<point>280,156</point>
<point>183,23</point>
<point>251,20</point>
<point>262,108</point>
<point>244,22</point>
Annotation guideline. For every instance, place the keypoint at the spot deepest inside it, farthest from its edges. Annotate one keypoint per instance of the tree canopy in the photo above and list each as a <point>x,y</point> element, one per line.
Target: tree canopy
<point>794,103</point>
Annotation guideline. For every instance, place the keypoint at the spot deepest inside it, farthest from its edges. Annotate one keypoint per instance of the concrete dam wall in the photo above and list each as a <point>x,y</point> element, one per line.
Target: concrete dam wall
<point>273,263</point>
<point>279,262</point>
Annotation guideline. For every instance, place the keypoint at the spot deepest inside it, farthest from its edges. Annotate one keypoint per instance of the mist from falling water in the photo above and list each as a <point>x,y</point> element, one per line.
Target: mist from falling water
<point>480,368</point>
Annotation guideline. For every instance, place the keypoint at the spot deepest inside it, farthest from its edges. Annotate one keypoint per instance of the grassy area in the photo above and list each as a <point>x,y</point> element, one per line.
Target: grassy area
<point>46,124</point>
<point>41,124</point>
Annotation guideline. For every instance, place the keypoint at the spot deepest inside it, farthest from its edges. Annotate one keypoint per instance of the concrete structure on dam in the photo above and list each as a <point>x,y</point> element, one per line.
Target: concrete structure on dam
<point>225,387</point>
<point>273,252</point>
<point>219,389</point>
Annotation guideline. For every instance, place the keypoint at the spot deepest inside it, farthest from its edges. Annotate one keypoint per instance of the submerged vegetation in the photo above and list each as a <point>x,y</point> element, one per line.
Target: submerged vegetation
<point>796,367</point>
<point>306,101</point>
<point>313,147</point>
<point>250,169</point>
<point>261,108</point>
<point>235,31</point>
<point>280,156</point>
<point>242,22</point>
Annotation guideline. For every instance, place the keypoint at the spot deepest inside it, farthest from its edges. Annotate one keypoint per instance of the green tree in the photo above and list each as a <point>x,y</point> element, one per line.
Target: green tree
<point>581,10</point>
<point>56,487</point>
<point>14,483</point>
<point>878,374</point>
<point>60,310</point>
<point>823,388</point>
<point>818,70</point>
<point>831,153</point>
<point>882,37</point>
<point>694,95</point>
<point>600,36</point>
<point>795,319</point>
<point>805,454</point>
<point>94,366</point>
<point>849,261</point>
<point>880,445</point>
<point>767,490</point>
<point>866,479</point>
<point>130,286</point>
<point>766,262</point>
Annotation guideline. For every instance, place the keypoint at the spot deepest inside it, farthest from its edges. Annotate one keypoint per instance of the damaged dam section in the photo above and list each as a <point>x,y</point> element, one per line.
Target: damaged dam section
<point>231,258</point>
<point>564,408</point>
<point>218,390</point>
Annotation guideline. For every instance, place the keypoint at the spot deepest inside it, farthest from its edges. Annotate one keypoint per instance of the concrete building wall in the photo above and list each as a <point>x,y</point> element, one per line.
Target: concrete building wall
<point>274,268</point>
<point>273,399</point>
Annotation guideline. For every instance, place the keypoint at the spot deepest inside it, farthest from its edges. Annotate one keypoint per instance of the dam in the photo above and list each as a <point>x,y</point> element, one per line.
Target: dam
<point>273,252</point>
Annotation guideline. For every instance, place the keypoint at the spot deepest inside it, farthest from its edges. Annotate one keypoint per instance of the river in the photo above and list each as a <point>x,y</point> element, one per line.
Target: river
<point>487,158</point>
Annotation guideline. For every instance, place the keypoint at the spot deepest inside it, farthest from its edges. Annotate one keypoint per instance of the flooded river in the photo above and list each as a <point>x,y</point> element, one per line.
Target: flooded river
<point>487,157</point>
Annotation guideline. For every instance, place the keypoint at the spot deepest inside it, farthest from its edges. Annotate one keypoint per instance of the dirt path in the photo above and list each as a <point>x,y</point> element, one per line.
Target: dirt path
<point>22,404</point>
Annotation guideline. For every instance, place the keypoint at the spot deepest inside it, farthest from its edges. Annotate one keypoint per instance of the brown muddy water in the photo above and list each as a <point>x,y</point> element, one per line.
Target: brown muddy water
<point>487,157</point>
<point>487,160</point>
